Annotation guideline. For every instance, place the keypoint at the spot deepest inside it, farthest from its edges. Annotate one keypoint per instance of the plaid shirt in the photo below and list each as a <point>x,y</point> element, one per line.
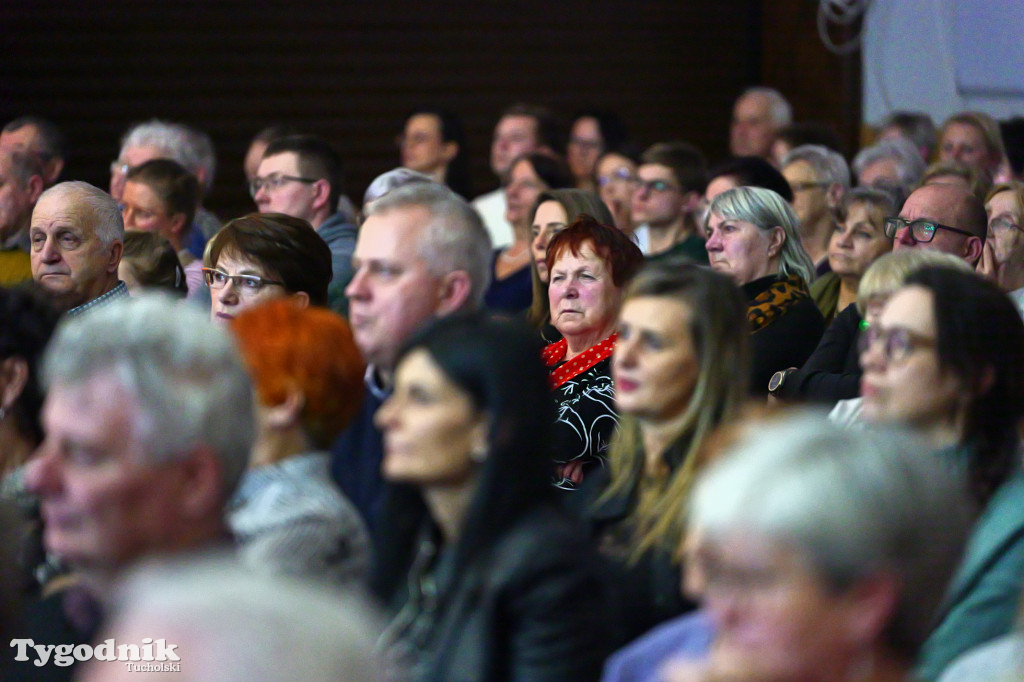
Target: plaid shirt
<point>115,294</point>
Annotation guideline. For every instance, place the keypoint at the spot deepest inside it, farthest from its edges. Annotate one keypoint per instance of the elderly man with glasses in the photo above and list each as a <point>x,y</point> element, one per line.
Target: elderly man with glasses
<point>941,217</point>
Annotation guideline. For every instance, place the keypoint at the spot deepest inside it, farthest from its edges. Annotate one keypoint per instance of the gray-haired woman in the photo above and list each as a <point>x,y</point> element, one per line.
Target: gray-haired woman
<point>752,236</point>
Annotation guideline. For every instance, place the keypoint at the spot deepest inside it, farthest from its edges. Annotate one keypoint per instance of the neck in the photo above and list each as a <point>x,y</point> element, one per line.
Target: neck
<point>945,433</point>
<point>664,237</point>
<point>448,506</point>
<point>586,184</point>
<point>274,445</point>
<point>437,175</point>
<point>847,292</point>
<point>657,437</point>
<point>320,217</point>
<point>577,344</point>
<point>68,304</point>
<point>814,238</point>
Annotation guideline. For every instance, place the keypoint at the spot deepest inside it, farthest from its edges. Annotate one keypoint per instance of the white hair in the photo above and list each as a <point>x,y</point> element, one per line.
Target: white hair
<point>186,374</point>
<point>828,165</point>
<point>909,164</point>
<point>75,195</point>
<point>192,148</point>
<point>778,106</point>
<point>455,237</point>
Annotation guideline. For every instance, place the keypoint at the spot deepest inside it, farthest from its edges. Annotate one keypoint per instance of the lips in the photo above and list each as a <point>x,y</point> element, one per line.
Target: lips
<point>626,385</point>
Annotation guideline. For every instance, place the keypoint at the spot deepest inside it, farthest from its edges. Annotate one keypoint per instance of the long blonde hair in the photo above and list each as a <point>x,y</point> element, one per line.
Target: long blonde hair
<point>718,325</point>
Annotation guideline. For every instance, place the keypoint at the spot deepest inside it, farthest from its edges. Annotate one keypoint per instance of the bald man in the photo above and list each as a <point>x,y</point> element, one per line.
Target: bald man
<point>948,218</point>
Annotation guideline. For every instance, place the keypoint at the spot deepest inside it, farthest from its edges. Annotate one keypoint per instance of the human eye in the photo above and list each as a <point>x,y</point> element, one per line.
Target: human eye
<point>652,341</point>
<point>535,231</point>
<point>69,240</point>
<point>37,239</point>
<point>219,278</point>
<point>251,283</point>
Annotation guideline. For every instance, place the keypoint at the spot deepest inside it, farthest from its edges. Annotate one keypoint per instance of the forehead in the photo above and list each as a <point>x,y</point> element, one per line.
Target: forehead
<point>140,193</point>
<point>64,210</point>
<point>910,307</point>
<point>587,257</point>
<point>91,409</point>
<point>233,263</point>
<point>25,137</point>
<point>963,130</point>
<point>550,212</point>
<point>586,126</point>
<point>655,171</point>
<point>517,125</point>
<point>612,161</point>
<point>1005,201</point>
<point>134,156</point>
<point>424,122</point>
<point>752,106</point>
<point>523,169</point>
<point>937,202</point>
<point>286,163</point>
<point>393,235</point>
<point>658,313</point>
<point>799,170</point>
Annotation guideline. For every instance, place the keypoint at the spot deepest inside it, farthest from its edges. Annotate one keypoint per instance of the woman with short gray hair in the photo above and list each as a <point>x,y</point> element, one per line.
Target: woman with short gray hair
<point>752,236</point>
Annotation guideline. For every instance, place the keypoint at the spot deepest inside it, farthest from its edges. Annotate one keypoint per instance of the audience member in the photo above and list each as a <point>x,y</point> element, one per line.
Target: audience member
<point>287,515</point>
<point>40,138</point>
<point>388,181</point>
<point>76,236</point>
<point>233,626</point>
<point>914,126</point>
<point>889,163</point>
<point>825,553</point>
<point>150,262</point>
<point>680,368</point>
<point>21,184</point>
<point>486,577</point>
<point>554,211</point>
<point>757,117</point>
<point>941,217</point>
<point>819,178</point>
<point>592,133</point>
<point>160,196</point>
<point>522,128</point>
<point>148,421</point>
<point>971,138</point>
<point>511,282</point>
<point>1002,258</point>
<point>947,357</point>
<point>422,252</point>
<point>752,237</point>
<point>433,143</point>
<point>666,199</point>
<point>615,173</point>
<point>264,256</point>
<point>589,264</point>
<point>258,145</point>
<point>301,176</point>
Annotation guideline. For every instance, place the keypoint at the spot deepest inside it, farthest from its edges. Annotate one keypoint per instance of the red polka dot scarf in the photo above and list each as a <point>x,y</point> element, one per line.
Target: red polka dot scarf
<point>555,352</point>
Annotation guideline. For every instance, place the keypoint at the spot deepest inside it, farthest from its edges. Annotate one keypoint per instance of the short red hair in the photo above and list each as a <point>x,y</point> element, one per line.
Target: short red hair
<point>287,347</point>
<point>610,244</point>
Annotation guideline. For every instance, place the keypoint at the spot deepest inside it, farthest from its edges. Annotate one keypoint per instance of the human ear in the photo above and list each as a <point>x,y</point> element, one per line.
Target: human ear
<point>776,238</point>
<point>286,414</point>
<point>301,299</point>
<point>454,291</point>
<point>13,377</point>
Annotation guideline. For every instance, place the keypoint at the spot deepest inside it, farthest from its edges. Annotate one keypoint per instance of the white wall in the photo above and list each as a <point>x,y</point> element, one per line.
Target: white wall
<point>943,56</point>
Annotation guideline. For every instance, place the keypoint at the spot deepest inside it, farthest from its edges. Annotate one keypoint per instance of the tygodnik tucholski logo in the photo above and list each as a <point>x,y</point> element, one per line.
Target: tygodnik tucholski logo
<point>151,656</point>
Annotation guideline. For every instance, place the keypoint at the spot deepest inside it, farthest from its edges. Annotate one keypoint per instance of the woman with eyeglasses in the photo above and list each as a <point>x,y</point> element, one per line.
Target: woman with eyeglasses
<point>947,358</point>
<point>264,256</point>
<point>1002,258</point>
<point>616,179</point>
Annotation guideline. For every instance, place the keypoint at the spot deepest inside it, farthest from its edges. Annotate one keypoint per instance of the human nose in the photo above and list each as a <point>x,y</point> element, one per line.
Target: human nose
<point>713,243</point>
<point>872,356</point>
<point>357,289</point>
<point>128,216</point>
<point>228,293</point>
<point>625,353</point>
<point>384,416</point>
<point>904,235</point>
<point>844,239</point>
<point>49,253</point>
<point>42,473</point>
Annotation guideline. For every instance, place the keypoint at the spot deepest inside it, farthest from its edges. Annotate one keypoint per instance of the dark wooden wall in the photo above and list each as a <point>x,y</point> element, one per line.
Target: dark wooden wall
<point>349,71</point>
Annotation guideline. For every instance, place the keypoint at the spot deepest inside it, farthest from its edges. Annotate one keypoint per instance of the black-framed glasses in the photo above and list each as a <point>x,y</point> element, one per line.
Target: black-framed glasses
<point>920,230</point>
<point>275,181</point>
<point>897,342</point>
<point>654,185</point>
<point>249,284</point>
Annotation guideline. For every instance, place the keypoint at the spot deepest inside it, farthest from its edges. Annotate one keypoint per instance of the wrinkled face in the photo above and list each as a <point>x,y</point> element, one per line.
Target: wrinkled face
<point>885,171</point>
<point>131,157</point>
<point>549,220</point>
<point>293,197</point>
<point>965,144</point>
<point>103,505</point>
<point>655,365</point>
<point>810,194</point>
<point>430,426</point>
<point>914,389</point>
<point>143,210</point>
<point>513,136</point>
<point>16,200</point>
<point>1005,225</point>
<point>777,620</point>
<point>932,202</point>
<point>521,194</point>
<point>585,145</point>
<point>858,241</point>
<point>235,295</point>
<point>583,298</point>
<point>616,180</point>
<point>422,146</point>
<point>661,205</point>
<point>68,258</point>
<point>393,290</point>
<point>752,130</point>
<point>742,250</point>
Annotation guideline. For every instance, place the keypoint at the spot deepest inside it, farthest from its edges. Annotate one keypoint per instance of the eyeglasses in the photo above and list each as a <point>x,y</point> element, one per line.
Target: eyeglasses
<point>619,175</point>
<point>1003,224</point>
<point>119,167</point>
<point>897,342</point>
<point>275,181</point>
<point>804,186</point>
<point>654,186</point>
<point>922,231</point>
<point>248,284</point>
<point>585,143</point>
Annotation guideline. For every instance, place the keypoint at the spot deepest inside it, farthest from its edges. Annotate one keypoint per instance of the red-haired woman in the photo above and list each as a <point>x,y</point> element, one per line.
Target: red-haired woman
<point>588,265</point>
<point>288,516</point>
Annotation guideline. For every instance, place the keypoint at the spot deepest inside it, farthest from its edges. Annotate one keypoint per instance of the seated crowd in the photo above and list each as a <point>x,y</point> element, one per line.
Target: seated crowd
<point>630,416</point>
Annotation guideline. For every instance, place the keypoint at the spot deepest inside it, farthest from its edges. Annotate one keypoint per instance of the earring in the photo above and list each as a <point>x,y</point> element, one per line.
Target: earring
<point>478,454</point>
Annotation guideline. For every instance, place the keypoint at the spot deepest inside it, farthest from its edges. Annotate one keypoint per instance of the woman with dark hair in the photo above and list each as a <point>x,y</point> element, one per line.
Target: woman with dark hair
<point>947,357</point>
<point>485,575</point>
<point>263,256</point>
<point>615,172</point>
<point>588,264</point>
<point>149,261</point>
<point>433,143</point>
<point>592,133</point>
<point>554,211</point>
<point>529,175</point>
